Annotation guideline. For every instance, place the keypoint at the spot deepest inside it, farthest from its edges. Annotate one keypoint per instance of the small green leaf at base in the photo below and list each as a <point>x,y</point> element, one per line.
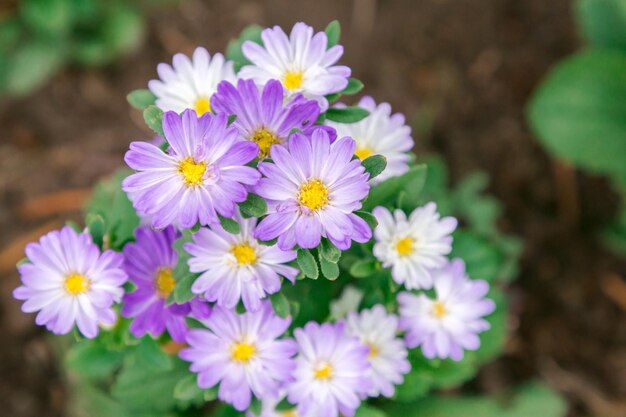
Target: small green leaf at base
<point>254,206</point>
<point>329,251</point>
<point>369,218</point>
<point>375,165</point>
<point>364,268</point>
<point>333,32</point>
<point>353,87</point>
<point>280,304</point>
<point>346,115</point>
<point>153,116</point>
<point>307,264</point>
<point>330,270</point>
<point>141,99</point>
<point>230,225</point>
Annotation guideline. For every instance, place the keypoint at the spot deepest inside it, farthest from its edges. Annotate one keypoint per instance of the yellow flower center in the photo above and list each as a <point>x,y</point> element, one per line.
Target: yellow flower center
<point>363,152</point>
<point>313,194</point>
<point>192,171</point>
<point>265,139</point>
<point>439,310</point>
<point>374,351</point>
<point>76,284</point>
<point>165,282</point>
<point>244,253</point>
<point>404,246</point>
<point>203,105</point>
<point>325,371</point>
<point>289,413</point>
<point>293,80</point>
<point>242,352</point>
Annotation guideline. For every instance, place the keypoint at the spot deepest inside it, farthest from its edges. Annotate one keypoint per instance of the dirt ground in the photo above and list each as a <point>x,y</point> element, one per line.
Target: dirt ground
<point>461,70</point>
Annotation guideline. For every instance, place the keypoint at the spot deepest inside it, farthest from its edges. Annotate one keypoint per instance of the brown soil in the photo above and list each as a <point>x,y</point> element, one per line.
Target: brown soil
<point>461,70</point>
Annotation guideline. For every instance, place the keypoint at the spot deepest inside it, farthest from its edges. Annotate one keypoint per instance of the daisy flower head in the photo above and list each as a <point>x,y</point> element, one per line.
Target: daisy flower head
<point>313,188</point>
<point>377,329</point>
<point>203,174</point>
<point>301,61</point>
<point>190,83</point>
<point>237,267</point>
<point>450,323</point>
<point>380,133</point>
<point>68,281</point>
<point>243,353</point>
<point>262,116</point>
<point>332,371</point>
<point>413,247</point>
<point>149,263</point>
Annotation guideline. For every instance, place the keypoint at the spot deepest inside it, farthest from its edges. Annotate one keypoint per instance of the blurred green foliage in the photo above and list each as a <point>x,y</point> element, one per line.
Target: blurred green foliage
<point>579,110</point>
<point>39,37</point>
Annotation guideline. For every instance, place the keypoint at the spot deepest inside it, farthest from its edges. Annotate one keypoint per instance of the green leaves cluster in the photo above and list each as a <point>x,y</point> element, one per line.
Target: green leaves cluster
<point>578,112</point>
<point>39,37</point>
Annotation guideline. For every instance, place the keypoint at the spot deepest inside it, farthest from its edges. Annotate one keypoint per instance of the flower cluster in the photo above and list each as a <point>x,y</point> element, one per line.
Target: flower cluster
<point>259,181</point>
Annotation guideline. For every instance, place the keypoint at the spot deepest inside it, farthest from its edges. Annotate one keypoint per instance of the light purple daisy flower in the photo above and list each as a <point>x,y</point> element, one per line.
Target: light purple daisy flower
<point>449,323</point>
<point>313,189</point>
<point>332,371</point>
<point>237,267</point>
<point>263,117</point>
<point>69,281</point>
<point>377,329</point>
<point>149,263</point>
<point>202,175</point>
<point>243,353</point>
<point>302,61</point>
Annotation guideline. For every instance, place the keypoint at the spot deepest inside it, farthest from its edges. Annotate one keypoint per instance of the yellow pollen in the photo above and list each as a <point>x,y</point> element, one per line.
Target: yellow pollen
<point>404,246</point>
<point>192,171</point>
<point>265,139</point>
<point>289,413</point>
<point>324,372</point>
<point>313,194</point>
<point>439,310</point>
<point>76,284</point>
<point>293,80</point>
<point>374,351</point>
<point>243,352</point>
<point>363,152</point>
<point>165,282</point>
<point>244,253</point>
<point>203,105</point>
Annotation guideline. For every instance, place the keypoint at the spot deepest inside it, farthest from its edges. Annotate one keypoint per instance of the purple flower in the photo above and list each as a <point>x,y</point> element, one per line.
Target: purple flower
<point>242,353</point>
<point>388,355</point>
<point>149,263</point>
<point>332,371</point>
<point>203,173</point>
<point>302,62</point>
<point>237,267</point>
<point>263,117</point>
<point>450,322</point>
<point>313,189</point>
<point>68,281</point>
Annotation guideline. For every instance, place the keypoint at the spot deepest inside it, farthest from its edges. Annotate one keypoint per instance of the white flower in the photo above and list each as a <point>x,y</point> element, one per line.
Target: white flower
<point>380,133</point>
<point>413,246</point>
<point>237,267</point>
<point>190,83</point>
<point>302,61</point>
<point>348,302</point>
<point>446,325</point>
<point>388,355</point>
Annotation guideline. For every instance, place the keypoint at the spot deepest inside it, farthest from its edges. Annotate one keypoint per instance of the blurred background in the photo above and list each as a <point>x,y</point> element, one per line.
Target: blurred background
<point>462,72</point>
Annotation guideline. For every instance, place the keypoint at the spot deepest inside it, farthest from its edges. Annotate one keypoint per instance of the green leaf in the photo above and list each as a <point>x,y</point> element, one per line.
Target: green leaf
<point>329,251</point>
<point>91,359</point>
<point>346,115</point>
<point>184,278</point>
<point>50,18</point>
<point>579,112</point>
<point>353,87</point>
<point>280,304</point>
<point>333,97</point>
<point>96,227</point>
<point>254,206</point>
<point>364,268</point>
<point>140,99</point>
<point>31,66</point>
<point>375,165</point>
<point>330,270</point>
<point>603,22</point>
<point>307,263</point>
<point>233,50</point>
<point>230,225</point>
<point>153,116</point>
<point>333,32</point>
<point>187,389</point>
<point>369,218</point>
<point>385,193</point>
